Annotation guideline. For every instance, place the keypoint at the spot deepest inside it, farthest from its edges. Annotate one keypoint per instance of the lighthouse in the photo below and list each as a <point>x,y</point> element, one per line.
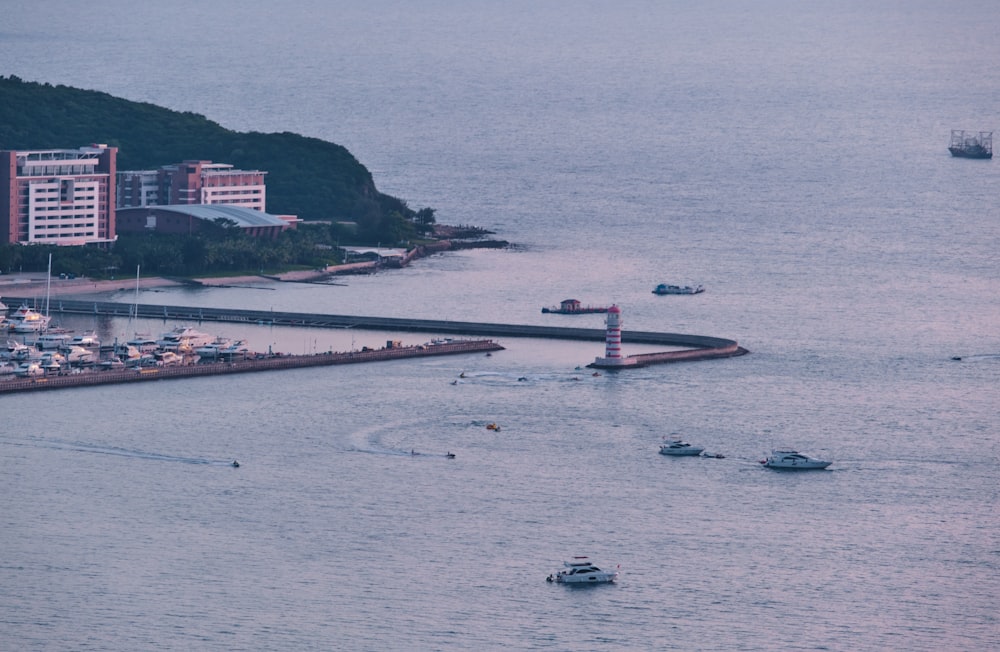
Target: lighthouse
<point>613,342</point>
<point>613,336</point>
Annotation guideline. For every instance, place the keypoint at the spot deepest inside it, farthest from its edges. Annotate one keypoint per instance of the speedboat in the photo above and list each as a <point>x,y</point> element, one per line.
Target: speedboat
<point>579,570</point>
<point>793,460</point>
<point>679,447</point>
<point>664,288</point>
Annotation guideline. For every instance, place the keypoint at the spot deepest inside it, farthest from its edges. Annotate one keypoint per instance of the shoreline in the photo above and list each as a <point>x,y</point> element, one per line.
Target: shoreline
<point>37,284</point>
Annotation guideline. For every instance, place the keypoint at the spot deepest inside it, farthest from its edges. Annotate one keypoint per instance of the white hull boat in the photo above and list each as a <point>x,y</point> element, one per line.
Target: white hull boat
<point>679,448</point>
<point>579,570</point>
<point>794,461</point>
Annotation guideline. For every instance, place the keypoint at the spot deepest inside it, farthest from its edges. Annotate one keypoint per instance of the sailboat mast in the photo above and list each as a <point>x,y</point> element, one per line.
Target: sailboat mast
<point>48,286</point>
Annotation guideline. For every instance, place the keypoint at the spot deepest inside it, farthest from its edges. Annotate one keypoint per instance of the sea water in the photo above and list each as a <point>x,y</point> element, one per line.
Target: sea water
<point>792,158</point>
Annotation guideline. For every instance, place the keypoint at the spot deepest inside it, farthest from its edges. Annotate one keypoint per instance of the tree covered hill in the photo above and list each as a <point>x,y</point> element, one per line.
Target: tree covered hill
<point>308,177</point>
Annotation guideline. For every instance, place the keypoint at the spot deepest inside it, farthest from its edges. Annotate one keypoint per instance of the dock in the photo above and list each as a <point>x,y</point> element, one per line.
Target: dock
<point>263,363</point>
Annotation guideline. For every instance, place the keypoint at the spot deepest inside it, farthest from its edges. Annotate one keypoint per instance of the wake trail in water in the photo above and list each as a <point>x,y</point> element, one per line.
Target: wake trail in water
<point>82,447</point>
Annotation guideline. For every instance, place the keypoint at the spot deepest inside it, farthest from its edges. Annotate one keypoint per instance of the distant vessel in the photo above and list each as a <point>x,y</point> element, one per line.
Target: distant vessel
<point>664,288</point>
<point>579,570</point>
<point>793,460</point>
<point>573,307</point>
<point>679,448</point>
<point>969,145</point>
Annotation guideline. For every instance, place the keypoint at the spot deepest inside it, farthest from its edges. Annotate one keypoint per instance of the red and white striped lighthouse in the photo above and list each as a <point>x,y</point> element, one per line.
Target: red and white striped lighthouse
<point>613,336</point>
<point>613,357</point>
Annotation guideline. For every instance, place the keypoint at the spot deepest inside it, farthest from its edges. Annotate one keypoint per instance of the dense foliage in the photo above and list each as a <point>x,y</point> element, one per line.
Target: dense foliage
<point>220,249</point>
<point>307,177</point>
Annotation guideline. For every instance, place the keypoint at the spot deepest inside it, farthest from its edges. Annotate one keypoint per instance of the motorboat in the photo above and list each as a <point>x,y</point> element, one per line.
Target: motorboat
<point>53,339</point>
<point>143,343</point>
<point>679,448</point>
<point>78,355</point>
<point>52,362</point>
<point>236,349</point>
<point>86,340</point>
<point>664,288</point>
<point>28,320</point>
<point>214,348</point>
<point>794,460</point>
<point>169,358</point>
<point>579,570</point>
<point>18,350</point>
<point>27,369</point>
<point>7,369</point>
<point>183,339</point>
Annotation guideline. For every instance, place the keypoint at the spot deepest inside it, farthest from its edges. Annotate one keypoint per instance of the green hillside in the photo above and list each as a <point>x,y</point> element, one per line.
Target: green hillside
<point>308,177</point>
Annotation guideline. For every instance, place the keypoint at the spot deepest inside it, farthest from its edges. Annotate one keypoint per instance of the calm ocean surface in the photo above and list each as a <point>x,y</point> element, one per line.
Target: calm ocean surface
<point>789,156</point>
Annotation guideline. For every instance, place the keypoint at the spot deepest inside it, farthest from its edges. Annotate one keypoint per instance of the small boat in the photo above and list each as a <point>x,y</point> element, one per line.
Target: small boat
<point>793,460</point>
<point>971,145</point>
<point>493,426</point>
<point>664,288</point>
<point>579,570</point>
<point>574,307</point>
<point>679,448</point>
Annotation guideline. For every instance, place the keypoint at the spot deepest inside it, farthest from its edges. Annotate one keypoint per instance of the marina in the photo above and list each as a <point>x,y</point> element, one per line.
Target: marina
<point>262,363</point>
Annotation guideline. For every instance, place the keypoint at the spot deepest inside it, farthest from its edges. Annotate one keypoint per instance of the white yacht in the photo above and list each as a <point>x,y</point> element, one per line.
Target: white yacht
<point>53,339</point>
<point>26,369</point>
<point>579,570</point>
<point>79,356</point>
<point>183,339</point>
<point>214,348</point>
<point>17,350</point>
<point>236,350</point>
<point>169,358</point>
<point>28,320</point>
<point>679,448</point>
<point>794,460</point>
<point>87,340</point>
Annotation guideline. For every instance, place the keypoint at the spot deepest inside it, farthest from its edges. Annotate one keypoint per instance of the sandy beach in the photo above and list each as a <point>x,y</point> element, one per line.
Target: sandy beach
<point>34,284</point>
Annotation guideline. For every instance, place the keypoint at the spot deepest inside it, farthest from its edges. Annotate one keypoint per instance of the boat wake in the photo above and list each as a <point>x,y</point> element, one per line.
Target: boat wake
<point>81,447</point>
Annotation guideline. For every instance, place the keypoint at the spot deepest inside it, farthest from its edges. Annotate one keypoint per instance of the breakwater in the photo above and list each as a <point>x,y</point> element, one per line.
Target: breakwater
<point>262,363</point>
<point>314,320</point>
